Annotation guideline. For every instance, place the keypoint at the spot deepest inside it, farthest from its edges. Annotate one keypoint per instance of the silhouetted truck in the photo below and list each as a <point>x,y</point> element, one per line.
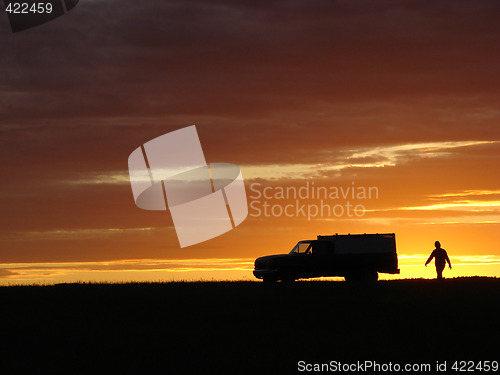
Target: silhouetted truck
<point>353,256</point>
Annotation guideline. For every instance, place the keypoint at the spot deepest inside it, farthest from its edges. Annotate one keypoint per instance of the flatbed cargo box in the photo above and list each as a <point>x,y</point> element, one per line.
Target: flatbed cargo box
<point>362,243</point>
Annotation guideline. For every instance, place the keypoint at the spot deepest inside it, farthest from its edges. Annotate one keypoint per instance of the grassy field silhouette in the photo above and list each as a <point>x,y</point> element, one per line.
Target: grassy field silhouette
<point>244,327</point>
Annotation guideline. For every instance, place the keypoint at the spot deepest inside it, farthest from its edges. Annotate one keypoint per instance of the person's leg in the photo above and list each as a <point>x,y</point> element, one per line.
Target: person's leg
<point>439,271</point>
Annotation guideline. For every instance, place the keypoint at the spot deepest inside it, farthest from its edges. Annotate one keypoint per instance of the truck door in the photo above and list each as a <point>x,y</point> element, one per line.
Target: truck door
<point>321,258</point>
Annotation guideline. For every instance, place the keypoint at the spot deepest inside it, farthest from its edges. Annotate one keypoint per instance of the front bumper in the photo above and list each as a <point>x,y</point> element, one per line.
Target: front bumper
<point>260,274</point>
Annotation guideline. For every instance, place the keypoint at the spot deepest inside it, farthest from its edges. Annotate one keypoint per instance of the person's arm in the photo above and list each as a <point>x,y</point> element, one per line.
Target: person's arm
<point>430,258</point>
<point>448,260</point>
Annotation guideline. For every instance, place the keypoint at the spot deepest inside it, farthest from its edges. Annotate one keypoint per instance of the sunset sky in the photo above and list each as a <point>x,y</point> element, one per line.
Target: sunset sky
<point>402,96</point>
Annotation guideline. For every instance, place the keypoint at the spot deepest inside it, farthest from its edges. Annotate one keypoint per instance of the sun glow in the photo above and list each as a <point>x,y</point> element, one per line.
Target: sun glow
<point>137,270</point>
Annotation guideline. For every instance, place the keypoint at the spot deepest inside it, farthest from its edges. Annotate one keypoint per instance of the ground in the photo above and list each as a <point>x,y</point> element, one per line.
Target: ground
<point>245,327</point>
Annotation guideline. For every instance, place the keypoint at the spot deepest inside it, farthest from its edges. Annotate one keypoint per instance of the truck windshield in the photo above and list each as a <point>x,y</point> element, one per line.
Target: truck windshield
<point>301,248</point>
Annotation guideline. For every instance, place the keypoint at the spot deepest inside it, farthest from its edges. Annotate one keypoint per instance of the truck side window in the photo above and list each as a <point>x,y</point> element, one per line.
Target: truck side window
<point>304,247</point>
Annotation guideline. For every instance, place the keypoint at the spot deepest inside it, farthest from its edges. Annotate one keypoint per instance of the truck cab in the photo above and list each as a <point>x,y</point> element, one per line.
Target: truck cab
<point>352,256</point>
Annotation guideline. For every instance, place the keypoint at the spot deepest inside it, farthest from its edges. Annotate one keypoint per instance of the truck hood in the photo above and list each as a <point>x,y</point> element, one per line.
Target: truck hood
<point>269,257</point>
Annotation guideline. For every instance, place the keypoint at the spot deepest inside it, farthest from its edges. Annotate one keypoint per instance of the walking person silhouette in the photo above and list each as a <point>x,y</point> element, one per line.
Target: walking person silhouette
<point>441,258</point>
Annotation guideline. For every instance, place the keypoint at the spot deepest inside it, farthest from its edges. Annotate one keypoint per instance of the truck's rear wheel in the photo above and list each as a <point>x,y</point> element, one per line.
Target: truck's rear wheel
<point>367,276</point>
<point>371,276</point>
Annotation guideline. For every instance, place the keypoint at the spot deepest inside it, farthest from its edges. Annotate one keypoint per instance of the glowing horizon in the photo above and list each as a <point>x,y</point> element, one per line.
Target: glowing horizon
<point>227,269</point>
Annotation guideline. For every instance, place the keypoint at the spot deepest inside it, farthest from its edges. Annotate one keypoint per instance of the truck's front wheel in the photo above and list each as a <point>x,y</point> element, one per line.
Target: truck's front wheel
<point>269,280</point>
